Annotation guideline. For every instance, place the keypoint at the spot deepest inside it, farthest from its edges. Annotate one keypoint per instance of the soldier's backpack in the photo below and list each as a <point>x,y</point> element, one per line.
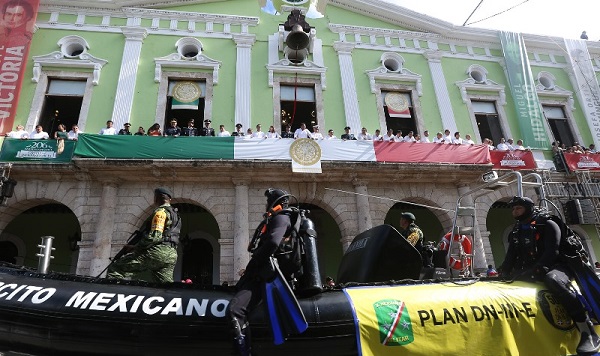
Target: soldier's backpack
<point>171,233</point>
<point>290,252</point>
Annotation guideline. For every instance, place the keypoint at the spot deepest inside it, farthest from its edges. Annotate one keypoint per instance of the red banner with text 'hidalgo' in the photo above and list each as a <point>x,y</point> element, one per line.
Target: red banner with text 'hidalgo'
<point>16,29</point>
<point>513,160</point>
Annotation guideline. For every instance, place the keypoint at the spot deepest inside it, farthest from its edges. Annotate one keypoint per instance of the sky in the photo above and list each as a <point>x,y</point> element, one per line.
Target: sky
<point>541,17</point>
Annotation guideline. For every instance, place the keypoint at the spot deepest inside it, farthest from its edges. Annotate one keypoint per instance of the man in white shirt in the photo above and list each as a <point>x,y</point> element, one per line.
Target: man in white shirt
<point>258,133</point>
<point>39,134</point>
<point>19,133</point>
<point>364,135</point>
<point>457,140</point>
<point>377,136</point>
<point>467,140</point>
<point>109,129</point>
<point>520,146</point>
<point>425,137</point>
<point>272,133</point>
<point>74,133</point>
<point>439,138</point>
<point>511,144</point>
<point>302,132</point>
<point>502,146</point>
<point>223,132</point>
<point>389,136</point>
<point>410,137</point>
<point>316,134</point>
<point>330,135</point>
<point>447,137</point>
<point>399,137</point>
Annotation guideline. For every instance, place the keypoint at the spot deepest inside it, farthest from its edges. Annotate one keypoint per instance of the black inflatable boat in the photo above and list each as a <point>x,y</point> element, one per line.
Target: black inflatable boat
<point>368,314</point>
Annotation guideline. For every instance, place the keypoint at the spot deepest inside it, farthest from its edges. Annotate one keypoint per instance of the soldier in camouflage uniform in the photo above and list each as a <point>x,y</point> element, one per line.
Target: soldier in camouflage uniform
<point>154,252</point>
<point>410,231</point>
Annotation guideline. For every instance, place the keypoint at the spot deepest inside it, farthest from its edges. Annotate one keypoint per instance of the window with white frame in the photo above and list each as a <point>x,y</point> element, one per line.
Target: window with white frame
<point>65,81</point>
<point>399,111</point>
<point>62,104</point>
<point>485,100</point>
<point>298,105</point>
<point>559,124</point>
<point>185,101</point>
<point>397,90</point>
<point>487,119</point>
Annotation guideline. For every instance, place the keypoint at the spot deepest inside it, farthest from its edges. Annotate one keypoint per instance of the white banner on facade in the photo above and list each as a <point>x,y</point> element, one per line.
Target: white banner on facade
<point>588,91</point>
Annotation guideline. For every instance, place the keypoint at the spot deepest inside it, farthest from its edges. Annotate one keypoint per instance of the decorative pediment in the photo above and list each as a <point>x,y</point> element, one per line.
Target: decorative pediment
<point>286,67</point>
<point>179,60</point>
<point>392,70</point>
<point>61,60</point>
<point>547,88</point>
<point>489,85</point>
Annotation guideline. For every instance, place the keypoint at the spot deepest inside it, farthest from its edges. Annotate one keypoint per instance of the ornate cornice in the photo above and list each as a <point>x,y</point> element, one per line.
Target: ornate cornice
<point>286,67</point>
<point>176,60</point>
<point>402,76</point>
<point>470,84</point>
<point>58,59</point>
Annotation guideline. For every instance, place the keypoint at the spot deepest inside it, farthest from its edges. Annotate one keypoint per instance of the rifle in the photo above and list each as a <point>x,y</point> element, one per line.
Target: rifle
<point>133,239</point>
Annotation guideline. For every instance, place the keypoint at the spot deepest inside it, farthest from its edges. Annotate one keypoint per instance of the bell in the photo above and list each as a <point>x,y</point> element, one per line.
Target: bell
<point>297,39</point>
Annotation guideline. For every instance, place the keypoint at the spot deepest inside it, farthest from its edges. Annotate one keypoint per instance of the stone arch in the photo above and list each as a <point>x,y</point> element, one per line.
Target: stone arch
<point>341,208</point>
<point>496,224</point>
<point>443,216</point>
<point>34,193</point>
<point>19,244</point>
<point>31,219</point>
<point>441,200</point>
<point>216,254</point>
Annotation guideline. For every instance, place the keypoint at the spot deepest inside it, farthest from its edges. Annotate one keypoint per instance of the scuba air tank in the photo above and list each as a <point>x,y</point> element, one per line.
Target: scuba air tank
<point>310,281</point>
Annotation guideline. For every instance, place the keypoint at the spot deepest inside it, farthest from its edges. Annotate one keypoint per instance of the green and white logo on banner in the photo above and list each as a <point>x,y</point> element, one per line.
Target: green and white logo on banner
<point>522,88</point>
<point>395,327</point>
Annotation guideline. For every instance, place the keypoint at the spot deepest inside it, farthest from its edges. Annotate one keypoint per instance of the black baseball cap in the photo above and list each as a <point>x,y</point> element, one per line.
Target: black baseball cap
<point>164,191</point>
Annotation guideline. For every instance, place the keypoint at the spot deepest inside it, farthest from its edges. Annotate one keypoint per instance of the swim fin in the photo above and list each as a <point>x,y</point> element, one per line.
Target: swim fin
<point>285,315</point>
<point>589,286</point>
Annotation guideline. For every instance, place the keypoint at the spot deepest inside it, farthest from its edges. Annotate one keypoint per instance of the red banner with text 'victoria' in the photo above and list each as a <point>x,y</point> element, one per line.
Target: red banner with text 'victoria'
<point>16,30</point>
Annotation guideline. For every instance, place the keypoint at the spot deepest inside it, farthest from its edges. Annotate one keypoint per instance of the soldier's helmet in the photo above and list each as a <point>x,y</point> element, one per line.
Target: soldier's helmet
<point>521,201</point>
<point>275,197</point>
<point>525,202</point>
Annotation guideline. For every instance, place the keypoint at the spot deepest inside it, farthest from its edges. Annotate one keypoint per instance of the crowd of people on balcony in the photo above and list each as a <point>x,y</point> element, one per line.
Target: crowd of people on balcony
<point>558,147</point>
<point>174,130</point>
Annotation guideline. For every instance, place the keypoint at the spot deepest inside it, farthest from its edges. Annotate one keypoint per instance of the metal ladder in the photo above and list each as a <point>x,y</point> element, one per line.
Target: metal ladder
<point>591,190</point>
<point>463,225</point>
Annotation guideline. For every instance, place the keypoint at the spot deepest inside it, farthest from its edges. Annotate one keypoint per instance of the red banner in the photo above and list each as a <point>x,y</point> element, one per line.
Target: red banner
<point>513,160</point>
<point>578,161</point>
<point>417,152</point>
<point>16,31</point>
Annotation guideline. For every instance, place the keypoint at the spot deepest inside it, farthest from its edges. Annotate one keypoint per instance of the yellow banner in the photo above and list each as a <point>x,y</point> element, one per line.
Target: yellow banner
<point>482,318</point>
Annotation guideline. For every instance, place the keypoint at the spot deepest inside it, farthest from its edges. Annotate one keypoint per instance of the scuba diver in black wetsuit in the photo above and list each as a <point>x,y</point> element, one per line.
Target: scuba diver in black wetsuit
<point>273,229</point>
<point>534,255</point>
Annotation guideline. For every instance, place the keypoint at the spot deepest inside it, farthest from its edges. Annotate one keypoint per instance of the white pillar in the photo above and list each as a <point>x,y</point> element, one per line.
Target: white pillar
<point>241,228</point>
<point>134,37</point>
<point>243,77</point>
<point>440,87</point>
<point>351,111</point>
<point>104,229</point>
<point>362,206</point>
